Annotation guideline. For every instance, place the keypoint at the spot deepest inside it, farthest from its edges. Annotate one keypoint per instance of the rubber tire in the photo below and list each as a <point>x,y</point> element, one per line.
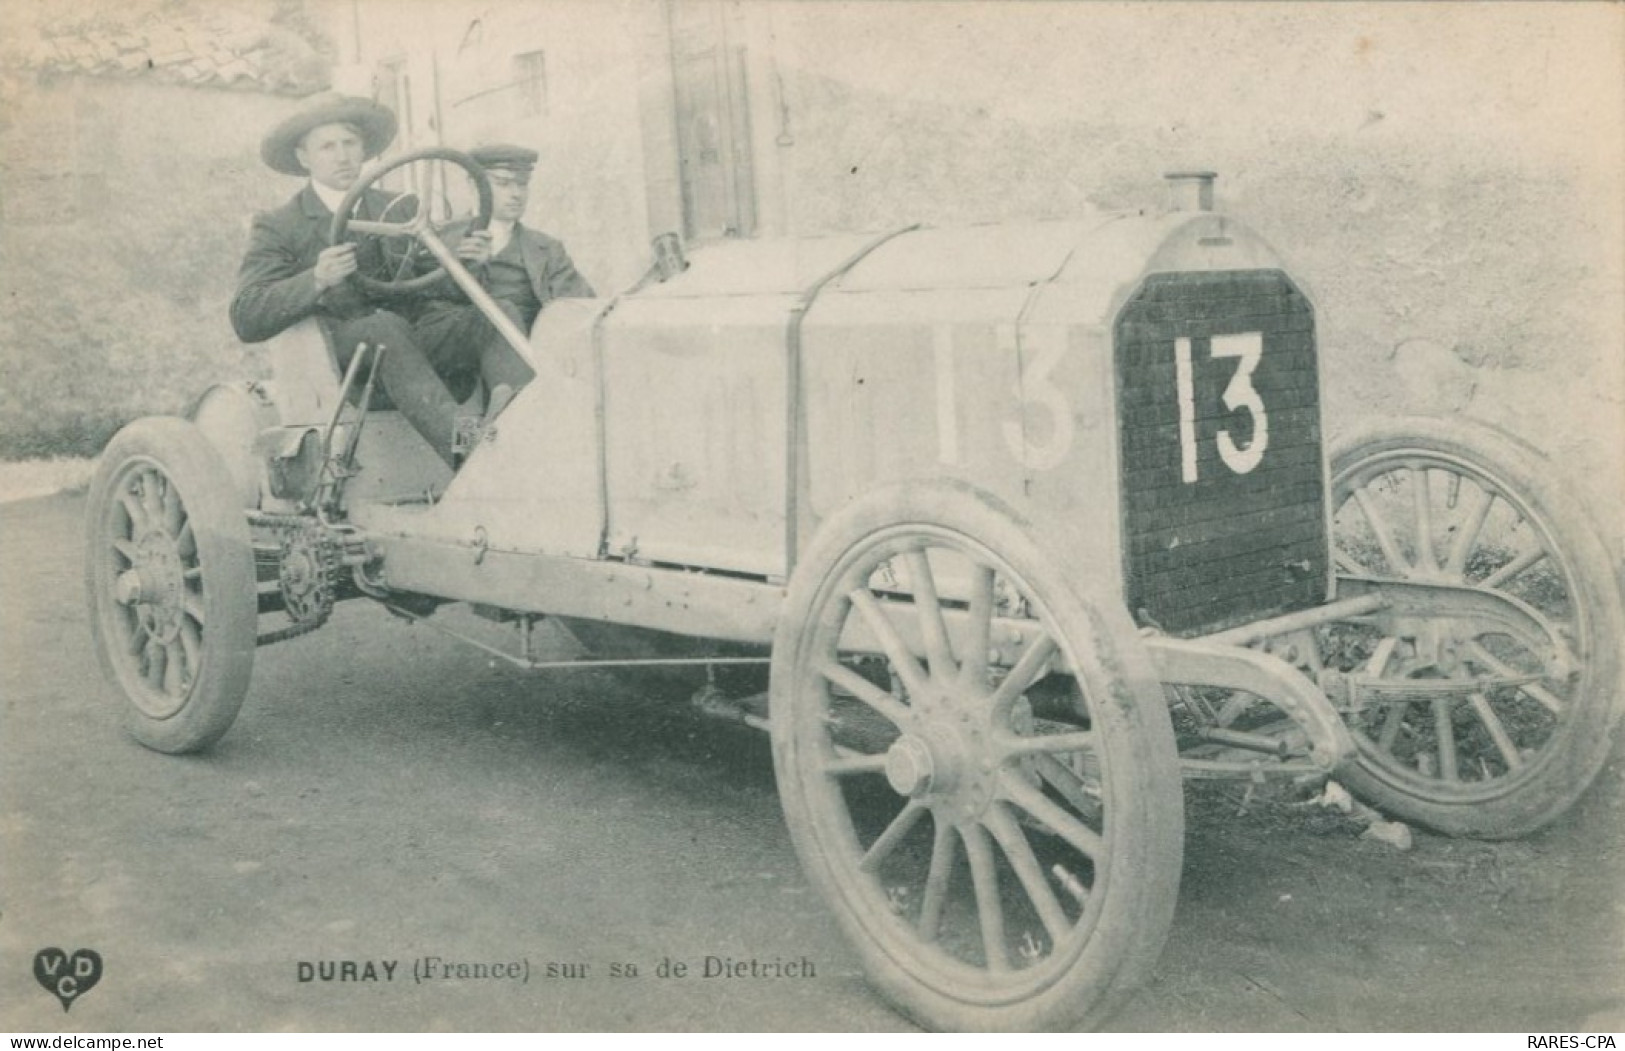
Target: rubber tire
<point>1580,745</point>
<point>224,557</point>
<point>1141,769</point>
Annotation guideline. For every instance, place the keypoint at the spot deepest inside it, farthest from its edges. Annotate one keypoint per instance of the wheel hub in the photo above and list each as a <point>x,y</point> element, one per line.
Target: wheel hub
<point>948,761</point>
<point>909,766</point>
<point>155,584</point>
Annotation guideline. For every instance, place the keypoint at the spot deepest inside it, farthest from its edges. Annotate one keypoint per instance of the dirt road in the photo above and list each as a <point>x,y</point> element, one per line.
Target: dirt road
<point>389,796</point>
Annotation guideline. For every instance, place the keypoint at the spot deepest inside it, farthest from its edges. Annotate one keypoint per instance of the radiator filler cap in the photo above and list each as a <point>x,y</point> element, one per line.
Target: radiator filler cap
<point>1190,191</point>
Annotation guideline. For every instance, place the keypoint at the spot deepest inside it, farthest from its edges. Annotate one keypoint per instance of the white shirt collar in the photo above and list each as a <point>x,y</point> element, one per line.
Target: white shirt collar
<point>501,234</point>
<point>329,196</point>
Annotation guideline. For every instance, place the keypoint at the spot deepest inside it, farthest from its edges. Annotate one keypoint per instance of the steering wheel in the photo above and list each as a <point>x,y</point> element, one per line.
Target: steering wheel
<point>415,226</point>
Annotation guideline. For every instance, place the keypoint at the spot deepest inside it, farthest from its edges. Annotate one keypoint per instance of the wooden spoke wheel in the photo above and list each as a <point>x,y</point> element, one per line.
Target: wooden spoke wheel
<point>976,765</point>
<point>1471,729</point>
<point>170,575</point>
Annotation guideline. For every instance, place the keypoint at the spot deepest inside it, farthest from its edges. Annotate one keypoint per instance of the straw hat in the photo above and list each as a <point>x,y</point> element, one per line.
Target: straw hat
<point>376,124</point>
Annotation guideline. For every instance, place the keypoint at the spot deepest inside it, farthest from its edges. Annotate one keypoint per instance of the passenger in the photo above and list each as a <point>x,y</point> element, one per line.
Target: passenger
<point>526,270</point>
<point>291,273</point>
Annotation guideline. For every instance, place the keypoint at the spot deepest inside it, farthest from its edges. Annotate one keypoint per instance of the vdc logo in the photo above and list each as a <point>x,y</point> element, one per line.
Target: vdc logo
<point>68,977</point>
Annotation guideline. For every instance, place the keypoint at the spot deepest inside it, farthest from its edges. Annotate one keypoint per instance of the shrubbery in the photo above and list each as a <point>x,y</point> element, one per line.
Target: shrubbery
<point>117,273</point>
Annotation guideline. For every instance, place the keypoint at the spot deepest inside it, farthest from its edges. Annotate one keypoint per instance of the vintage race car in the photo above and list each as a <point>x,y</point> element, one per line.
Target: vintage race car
<point>1023,522</point>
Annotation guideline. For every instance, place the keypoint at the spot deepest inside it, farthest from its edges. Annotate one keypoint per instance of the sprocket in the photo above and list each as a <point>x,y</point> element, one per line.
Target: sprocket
<point>307,575</point>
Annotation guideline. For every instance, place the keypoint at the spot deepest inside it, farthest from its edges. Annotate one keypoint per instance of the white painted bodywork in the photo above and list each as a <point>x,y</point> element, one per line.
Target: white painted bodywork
<point>657,430</point>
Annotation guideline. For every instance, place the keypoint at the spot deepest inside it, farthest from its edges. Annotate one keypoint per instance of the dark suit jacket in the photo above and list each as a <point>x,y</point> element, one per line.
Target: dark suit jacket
<point>552,273</point>
<point>276,286</point>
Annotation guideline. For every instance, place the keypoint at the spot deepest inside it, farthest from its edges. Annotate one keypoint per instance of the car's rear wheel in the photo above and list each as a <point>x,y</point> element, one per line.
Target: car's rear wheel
<point>170,575</point>
<point>1445,503</point>
<point>976,765</point>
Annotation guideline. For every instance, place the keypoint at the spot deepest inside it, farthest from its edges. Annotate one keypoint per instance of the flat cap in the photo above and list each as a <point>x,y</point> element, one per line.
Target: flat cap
<point>505,156</point>
<point>375,123</point>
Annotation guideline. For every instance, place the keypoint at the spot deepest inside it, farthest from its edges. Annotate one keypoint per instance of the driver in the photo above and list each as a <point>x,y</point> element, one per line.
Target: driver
<point>290,272</point>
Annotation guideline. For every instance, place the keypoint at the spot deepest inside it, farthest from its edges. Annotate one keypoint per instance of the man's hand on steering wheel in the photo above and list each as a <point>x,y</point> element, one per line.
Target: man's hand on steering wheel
<point>334,264</point>
<point>475,248</point>
<point>416,226</point>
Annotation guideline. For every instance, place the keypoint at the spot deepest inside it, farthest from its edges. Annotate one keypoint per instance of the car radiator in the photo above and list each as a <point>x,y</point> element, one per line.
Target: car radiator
<point>1222,472</point>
